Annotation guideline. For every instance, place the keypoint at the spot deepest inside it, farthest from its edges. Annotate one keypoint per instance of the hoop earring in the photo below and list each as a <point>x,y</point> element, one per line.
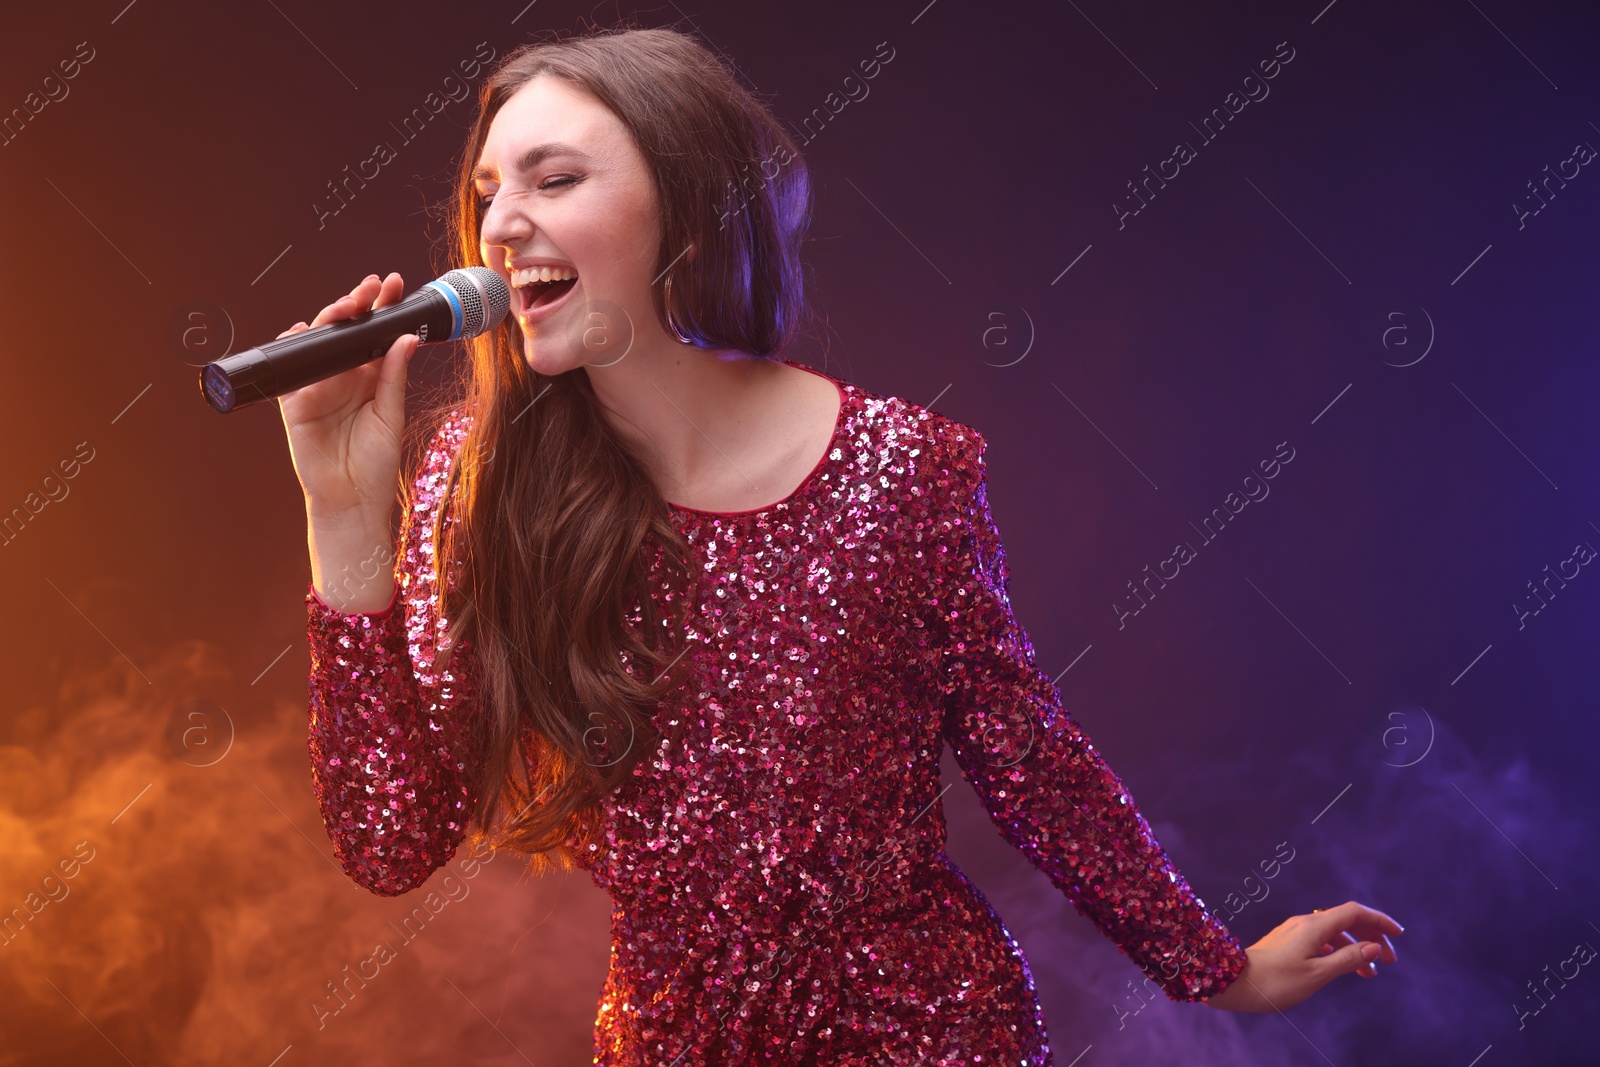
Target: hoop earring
<point>671,325</point>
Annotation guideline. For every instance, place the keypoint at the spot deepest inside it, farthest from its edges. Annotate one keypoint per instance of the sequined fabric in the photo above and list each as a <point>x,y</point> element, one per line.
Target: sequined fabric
<point>779,884</point>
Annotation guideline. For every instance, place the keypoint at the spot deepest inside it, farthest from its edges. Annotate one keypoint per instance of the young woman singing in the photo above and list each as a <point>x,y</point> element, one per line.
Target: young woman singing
<point>670,606</point>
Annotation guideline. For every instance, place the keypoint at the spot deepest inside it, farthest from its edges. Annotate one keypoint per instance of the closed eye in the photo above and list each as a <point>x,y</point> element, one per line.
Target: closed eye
<point>549,183</point>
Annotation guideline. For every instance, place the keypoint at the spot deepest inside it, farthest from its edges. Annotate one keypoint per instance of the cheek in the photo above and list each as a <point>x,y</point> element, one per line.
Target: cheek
<point>638,224</point>
<point>622,251</point>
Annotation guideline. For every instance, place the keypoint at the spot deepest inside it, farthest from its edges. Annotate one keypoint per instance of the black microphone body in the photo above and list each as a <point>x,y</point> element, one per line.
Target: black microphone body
<point>462,303</point>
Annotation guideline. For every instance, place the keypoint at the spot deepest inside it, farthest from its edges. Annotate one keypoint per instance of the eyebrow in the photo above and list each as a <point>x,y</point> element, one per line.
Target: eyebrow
<point>532,158</point>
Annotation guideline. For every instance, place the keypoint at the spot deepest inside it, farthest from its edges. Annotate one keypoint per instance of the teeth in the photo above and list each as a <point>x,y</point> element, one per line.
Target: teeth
<point>529,275</point>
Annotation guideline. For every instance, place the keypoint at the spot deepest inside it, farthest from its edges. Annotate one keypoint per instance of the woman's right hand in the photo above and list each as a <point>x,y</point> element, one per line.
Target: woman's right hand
<point>1305,952</point>
<point>345,431</point>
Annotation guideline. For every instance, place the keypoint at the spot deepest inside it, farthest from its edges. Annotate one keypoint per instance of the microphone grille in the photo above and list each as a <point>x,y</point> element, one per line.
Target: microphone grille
<point>485,298</point>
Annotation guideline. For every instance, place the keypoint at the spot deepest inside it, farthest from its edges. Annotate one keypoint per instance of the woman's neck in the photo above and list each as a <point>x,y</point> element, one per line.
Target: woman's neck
<point>694,416</point>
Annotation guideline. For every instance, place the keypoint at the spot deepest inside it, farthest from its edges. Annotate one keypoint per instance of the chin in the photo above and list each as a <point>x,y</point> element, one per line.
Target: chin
<point>549,356</point>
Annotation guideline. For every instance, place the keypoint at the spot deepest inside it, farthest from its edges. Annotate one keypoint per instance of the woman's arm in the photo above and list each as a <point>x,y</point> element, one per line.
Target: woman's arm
<point>1046,787</point>
<point>387,740</point>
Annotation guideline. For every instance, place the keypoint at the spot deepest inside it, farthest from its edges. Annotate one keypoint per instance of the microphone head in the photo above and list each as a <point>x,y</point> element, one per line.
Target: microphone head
<point>482,297</point>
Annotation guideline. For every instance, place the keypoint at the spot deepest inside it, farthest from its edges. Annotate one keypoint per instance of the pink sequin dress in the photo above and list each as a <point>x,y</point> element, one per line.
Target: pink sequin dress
<point>780,889</point>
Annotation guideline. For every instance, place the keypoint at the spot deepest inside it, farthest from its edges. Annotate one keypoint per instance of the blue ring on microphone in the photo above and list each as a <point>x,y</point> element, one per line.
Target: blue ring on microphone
<point>455,306</point>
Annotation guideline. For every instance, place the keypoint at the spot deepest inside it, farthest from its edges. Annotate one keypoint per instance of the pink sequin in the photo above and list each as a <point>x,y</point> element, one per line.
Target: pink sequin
<point>780,889</point>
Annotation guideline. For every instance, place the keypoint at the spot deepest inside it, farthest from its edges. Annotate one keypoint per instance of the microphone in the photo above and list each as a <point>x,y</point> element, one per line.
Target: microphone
<point>463,303</point>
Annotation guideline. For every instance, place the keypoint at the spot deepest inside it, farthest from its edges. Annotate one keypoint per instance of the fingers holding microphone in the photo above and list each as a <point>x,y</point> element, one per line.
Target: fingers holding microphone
<point>371,292</point>
<point>388,393</point>
<point>345,430</point>
<point>389,398</point>
<point>377,380</point>
<point>340,381</point>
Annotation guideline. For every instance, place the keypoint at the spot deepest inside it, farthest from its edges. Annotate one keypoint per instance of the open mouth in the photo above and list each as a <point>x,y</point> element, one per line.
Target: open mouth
<point>541,293</point>
<point>540,287</point>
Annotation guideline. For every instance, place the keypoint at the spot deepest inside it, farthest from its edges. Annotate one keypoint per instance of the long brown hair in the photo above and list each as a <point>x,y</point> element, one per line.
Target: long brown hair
<point>550,513</point>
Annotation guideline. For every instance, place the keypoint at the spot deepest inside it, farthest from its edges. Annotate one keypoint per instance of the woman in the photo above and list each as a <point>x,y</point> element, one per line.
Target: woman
<point>707,617</point>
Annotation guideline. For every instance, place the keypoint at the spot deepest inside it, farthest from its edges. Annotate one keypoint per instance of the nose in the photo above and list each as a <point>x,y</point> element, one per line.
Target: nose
<point>503,225</point>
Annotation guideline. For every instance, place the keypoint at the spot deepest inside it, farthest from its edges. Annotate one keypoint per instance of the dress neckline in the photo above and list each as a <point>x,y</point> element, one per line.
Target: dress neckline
<point>810,479</point>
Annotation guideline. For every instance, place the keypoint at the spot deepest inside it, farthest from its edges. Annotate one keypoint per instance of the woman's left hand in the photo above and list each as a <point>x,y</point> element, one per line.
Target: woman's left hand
<point>1306,952</point>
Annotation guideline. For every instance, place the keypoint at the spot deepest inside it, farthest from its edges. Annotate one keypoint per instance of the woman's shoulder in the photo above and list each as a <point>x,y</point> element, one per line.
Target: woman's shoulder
<point>932,446</point>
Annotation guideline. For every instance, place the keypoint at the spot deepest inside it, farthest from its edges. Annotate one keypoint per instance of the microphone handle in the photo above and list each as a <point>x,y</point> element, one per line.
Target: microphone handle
<point>289,363</point>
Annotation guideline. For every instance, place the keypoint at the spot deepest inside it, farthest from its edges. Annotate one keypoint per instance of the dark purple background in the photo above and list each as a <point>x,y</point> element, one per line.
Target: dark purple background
<point>1341,670</point>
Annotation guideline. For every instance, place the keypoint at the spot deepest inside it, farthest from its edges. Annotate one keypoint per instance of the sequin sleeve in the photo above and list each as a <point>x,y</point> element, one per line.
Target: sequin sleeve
<point>1046,787</point>
<point>385,735</point>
